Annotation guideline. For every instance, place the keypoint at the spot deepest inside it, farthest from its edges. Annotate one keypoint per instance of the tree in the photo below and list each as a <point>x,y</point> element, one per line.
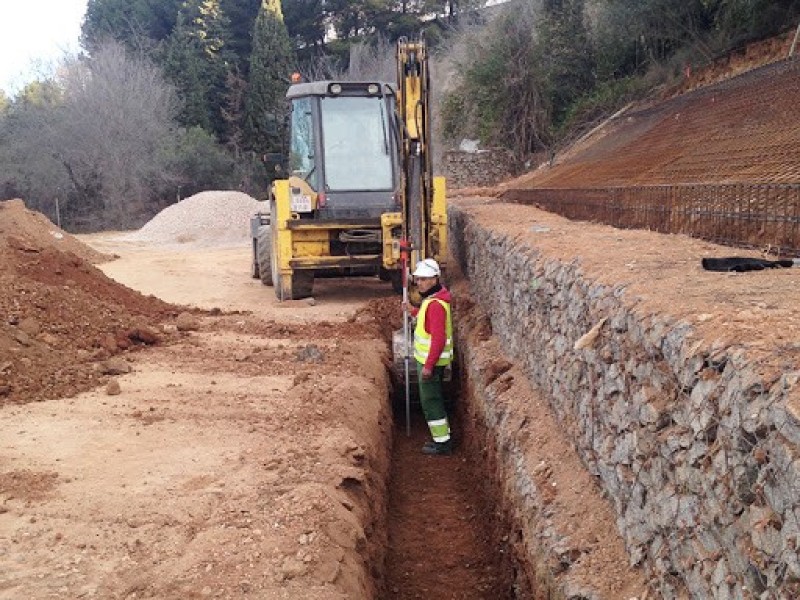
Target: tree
<point>233,111</point>
<point>270,68</point>
<point>119,113</point>
<point>359,19</point>
<point>134,23</point>
<point>241,14</point>
<point>499,92</point>
<point>198,62</point>
<point>196,162</point>
<point>739,21</point>
<point>568,55</point>
<point>93,139</point>
<point>372,61</point>
<point>29,166</point>
<point>306,21</point>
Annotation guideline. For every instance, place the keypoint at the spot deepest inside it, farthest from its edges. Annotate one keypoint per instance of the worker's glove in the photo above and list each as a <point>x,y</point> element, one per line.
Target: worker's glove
<point>427,374</point>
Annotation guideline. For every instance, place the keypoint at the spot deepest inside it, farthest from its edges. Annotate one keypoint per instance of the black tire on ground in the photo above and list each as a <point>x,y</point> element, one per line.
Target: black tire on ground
<point>273,264</point>
<point>254,273</point>
<point>397,281</point>
<point>264,254</point>
<point>384,274</point>
<point>300,285</point>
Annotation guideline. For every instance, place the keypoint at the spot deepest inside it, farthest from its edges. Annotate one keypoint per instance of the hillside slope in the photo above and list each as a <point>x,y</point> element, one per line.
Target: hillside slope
<point>744,129</point>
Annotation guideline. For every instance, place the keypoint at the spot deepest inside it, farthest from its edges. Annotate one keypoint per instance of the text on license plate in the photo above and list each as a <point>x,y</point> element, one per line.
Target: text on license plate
<point>301,203</point>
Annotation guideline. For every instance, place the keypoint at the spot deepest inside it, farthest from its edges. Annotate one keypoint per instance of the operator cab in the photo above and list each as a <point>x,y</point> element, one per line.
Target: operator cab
<point>343,145</point>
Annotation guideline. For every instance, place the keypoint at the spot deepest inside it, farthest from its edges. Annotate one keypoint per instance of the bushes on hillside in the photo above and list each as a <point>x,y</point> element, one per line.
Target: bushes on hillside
<point>543,70</point>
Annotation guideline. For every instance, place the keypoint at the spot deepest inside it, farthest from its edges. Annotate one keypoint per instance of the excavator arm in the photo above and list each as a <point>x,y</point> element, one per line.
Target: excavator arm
<point>422,196</point>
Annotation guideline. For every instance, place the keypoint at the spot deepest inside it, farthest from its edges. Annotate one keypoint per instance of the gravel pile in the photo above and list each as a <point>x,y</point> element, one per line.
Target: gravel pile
<point>205,219</point>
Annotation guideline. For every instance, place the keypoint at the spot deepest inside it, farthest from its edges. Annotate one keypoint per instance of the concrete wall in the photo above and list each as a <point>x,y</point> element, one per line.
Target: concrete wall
<point>697,447</point>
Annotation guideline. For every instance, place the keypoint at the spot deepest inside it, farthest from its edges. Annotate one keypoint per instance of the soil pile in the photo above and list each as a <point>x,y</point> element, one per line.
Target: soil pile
<point>62,317</point>
<point>36,229</point>
<point>205,219</point>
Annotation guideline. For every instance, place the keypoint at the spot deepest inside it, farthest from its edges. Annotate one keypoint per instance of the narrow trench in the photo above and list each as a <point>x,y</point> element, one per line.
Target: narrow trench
<point>445,536</point>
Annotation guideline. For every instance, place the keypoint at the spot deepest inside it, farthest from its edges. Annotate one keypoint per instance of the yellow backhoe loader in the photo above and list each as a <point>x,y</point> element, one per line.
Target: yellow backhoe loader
<point>360,197</point>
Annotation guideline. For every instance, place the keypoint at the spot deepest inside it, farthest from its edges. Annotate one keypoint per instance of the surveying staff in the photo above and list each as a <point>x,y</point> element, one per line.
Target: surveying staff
<point>433,351</point>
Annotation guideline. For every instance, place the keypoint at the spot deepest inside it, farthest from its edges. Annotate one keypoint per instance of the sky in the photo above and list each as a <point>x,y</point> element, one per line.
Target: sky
<point>35,32</point>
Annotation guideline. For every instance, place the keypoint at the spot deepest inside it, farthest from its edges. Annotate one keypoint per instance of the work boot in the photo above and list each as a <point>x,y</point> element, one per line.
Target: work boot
<point>437,448</point>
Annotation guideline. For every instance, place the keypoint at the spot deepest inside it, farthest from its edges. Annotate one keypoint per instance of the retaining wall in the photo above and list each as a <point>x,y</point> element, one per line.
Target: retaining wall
<point>481,168</point>
<point>696,444</point>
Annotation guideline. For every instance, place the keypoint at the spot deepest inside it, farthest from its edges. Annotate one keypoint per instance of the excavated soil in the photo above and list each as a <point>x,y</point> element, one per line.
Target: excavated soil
<point>62,317</point>
<point>245,453</point>
<point>437,509</point>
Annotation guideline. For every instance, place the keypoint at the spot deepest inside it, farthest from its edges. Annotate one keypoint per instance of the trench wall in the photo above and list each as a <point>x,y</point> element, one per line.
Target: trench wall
<point>696,447</point>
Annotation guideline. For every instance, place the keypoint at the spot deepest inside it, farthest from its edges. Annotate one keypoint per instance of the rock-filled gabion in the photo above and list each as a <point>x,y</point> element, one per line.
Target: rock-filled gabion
<point>470,169</point>
<point>696,446</point>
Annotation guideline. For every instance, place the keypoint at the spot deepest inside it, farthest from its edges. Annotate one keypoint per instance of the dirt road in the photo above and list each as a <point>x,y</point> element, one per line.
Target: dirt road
<point>246,458</point>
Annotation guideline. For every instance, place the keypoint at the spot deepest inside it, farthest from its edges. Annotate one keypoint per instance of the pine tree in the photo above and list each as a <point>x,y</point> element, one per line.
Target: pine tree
<point>138,24</point>
<point>242,16</point>
<point>198,62</point>
<point>270,67</point>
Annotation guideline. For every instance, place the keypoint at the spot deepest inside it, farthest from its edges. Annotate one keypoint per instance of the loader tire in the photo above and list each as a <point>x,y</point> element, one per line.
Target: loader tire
<point>264,255</point>
<point>254,270</point>
<point>298,285</point>
<point>397,282</point>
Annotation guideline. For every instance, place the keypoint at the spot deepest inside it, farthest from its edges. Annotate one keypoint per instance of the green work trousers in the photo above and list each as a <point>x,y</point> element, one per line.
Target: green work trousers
<point>431,397</point>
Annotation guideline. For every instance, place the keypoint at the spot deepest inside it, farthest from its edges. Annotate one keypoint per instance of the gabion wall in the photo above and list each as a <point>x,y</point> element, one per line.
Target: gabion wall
<point>477,169</point>
<point>697,448</point>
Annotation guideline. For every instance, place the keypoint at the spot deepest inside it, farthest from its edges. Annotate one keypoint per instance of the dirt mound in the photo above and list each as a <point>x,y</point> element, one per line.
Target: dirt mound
<point>62,316</point>
<point>39,232</point>
<point>205,219</point>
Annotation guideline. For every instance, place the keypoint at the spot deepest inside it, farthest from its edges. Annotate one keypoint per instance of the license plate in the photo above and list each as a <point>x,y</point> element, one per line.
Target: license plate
<point>301,203</point>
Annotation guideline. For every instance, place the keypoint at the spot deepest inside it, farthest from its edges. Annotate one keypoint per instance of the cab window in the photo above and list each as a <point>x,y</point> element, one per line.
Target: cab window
<point>301,153</point>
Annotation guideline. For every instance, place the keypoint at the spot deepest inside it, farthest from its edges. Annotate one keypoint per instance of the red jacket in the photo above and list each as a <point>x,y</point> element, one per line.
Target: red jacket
<point>436,326</point>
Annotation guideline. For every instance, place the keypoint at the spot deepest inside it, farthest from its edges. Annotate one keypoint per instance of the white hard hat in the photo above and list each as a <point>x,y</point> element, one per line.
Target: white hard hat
<point>427,268</point>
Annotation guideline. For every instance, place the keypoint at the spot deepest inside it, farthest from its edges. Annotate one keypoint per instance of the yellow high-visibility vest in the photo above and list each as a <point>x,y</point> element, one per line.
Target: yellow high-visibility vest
<point>422,339</point>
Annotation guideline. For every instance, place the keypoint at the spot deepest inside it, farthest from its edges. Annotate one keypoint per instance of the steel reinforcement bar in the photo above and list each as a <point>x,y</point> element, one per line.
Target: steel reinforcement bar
<point>762,216</point>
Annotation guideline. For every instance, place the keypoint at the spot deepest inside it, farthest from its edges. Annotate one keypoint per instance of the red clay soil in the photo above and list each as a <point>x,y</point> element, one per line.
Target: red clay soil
<point>61,315</point>
<point>442,537</point>
<point>737,62</point>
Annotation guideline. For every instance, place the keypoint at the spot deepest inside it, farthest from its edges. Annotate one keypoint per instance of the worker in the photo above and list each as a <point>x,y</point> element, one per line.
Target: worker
<point>433,351</point>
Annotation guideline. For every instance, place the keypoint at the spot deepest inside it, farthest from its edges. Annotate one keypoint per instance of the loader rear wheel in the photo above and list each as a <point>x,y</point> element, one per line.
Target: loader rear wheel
<point>264,255</point>
<point>300,284</point>
<point>254,271</point>
<point>397,281</point>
